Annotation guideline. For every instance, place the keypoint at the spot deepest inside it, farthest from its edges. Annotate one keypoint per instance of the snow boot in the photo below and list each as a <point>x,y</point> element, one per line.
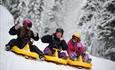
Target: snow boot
<point>42,57</point>
<point>7,47</point>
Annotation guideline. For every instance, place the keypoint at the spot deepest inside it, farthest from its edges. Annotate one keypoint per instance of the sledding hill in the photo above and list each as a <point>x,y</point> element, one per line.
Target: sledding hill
<point>11,61</point>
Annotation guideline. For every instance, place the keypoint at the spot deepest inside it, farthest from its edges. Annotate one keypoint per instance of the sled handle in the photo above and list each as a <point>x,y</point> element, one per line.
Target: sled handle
<point>26,47</point>
<point>56,52</point>
<point>56,49</point>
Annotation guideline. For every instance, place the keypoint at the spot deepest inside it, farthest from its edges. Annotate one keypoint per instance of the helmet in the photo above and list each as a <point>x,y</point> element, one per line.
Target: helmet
<point>76,35</point>
<point>60,30</point>
<point>27,22</point>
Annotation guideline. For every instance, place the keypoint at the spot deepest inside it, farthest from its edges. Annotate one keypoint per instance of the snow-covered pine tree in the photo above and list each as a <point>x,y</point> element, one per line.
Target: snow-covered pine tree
<point>99,23</point>
<point>46,15</point>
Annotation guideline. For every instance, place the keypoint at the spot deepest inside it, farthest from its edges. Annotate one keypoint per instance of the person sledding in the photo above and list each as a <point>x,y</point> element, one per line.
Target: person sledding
<point>76,48</point>
<point>24,36</point>
<point>55,41</point>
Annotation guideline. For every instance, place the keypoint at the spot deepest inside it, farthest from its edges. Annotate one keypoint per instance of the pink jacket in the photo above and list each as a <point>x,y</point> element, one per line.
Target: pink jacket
<point>75,47</point>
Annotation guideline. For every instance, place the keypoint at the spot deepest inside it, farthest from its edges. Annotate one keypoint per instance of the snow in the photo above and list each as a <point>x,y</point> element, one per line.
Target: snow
<point>93,19</point>
<point>98,29</point>
<point>72,17</point>
<point>11,61</point>
<point>102,64</point>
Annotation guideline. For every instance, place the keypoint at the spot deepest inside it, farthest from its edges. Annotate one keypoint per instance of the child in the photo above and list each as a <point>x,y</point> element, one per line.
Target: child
<point>24,36</point>
<point>55,41</point>
<point>76,48</point>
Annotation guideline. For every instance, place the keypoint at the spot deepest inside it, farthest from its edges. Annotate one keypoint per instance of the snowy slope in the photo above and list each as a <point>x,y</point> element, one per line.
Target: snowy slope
<point>10,61</point>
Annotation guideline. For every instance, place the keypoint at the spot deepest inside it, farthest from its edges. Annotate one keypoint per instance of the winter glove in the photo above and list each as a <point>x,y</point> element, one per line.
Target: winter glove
<point>17,26</point>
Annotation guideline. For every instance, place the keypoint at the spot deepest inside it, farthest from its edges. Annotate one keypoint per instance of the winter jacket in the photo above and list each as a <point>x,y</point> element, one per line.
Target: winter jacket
<point>54,42</point>
<point>23,34</point>
<point>75,47</point>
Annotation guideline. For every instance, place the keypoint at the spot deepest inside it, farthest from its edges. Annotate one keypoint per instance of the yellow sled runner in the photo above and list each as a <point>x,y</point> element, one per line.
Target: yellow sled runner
<point>25,51</point>
<point>80,63</point>
<point>55,58</point>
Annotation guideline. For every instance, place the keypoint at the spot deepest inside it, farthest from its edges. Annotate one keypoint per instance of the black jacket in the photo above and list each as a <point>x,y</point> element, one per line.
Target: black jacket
<point>23,34</point>
<point>54,42</point>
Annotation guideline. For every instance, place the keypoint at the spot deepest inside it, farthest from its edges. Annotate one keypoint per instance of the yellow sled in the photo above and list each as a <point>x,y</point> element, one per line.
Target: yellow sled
<point>25,51</point>
<point>79,63</point>
<point>55,58</point>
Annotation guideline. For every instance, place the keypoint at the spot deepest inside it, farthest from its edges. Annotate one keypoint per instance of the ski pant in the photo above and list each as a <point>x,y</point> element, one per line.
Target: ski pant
<point>33,48</point>
<point>74,55</point>
<point>49,51</point>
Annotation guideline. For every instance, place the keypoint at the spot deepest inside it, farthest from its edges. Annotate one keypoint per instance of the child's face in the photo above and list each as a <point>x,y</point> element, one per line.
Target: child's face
<point>27,27</point>
<point>58,34</point>
<point>75,39</point>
